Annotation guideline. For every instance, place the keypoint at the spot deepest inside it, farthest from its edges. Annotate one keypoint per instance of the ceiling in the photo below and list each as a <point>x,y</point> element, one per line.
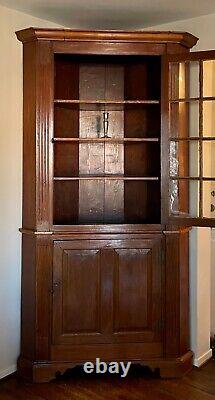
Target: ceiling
<point>112,14</point>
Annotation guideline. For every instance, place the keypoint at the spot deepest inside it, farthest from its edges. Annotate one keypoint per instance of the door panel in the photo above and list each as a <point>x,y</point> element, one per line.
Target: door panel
<point>77,276</point>
<point>191,133</point>
<point>107,291</point>
<point>132,297</point>
<point>81,294</point>
<point>132,286</point>
<point>137,292</point>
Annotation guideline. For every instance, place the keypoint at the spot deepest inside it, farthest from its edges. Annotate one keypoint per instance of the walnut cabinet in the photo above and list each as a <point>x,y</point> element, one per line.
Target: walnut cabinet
<point>118,165</point>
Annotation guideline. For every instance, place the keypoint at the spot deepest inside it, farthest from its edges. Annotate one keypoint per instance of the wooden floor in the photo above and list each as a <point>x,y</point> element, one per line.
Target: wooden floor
<point>139,384</point>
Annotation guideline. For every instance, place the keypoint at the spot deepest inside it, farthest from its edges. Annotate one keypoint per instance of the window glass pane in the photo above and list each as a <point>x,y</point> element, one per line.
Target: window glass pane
<point>209,199</point>
<point>173,197</point>
<point>174,81</point>
<point>174,163</point>
<point>209,118</point>
<point>194,79</point>
<point>184,119</point>
<point>194,158</point>
<point>209,158</point>
<point>193,198</point>
<point>209,78</point>
<point>194,119</point>
<point>184,80</point>
<point>177,80</point>
<point>184,195</point>
<point>184,158</point>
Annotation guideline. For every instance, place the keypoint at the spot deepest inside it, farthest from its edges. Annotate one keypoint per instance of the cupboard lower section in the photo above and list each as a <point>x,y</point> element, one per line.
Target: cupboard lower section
<point>123,297</point>
<point>107,291</point>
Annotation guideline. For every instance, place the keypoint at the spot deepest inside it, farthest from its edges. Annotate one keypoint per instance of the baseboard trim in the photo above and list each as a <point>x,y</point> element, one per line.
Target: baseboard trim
<point>45,371</point>
<point>198,362</point>
<point>8,371</point>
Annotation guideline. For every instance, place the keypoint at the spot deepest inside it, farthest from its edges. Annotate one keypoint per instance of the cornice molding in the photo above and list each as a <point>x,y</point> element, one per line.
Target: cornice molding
<point>32,34</point>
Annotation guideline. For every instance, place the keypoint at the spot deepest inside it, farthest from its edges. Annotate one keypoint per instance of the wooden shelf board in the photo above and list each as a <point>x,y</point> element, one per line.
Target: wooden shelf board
<point>109,177</point>
<point>68,101</point>
<point>107,140</point>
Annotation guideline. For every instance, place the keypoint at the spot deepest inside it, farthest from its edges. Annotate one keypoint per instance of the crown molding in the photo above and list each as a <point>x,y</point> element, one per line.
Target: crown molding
<point>32,34</point>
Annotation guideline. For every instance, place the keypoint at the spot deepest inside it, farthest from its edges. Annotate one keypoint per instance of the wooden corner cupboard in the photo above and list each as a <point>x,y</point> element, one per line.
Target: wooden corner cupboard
<point>118,165</point>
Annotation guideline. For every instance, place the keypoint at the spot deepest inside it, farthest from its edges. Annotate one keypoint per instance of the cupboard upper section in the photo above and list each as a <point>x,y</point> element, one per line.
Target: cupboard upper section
<point>94,127</point>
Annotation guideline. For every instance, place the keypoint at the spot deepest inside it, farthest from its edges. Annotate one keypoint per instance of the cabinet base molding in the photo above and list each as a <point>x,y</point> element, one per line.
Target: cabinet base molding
<point>39,372</point>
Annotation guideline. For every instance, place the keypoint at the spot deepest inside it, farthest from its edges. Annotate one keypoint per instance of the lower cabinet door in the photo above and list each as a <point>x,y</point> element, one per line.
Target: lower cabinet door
<point>108,292</point>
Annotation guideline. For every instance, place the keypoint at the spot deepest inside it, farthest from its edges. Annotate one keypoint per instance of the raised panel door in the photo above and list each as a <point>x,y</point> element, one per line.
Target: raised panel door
<point>108,291</point>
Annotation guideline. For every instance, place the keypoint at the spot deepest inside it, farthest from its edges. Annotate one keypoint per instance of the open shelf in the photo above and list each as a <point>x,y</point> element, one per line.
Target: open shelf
<point>74,159</point>
<point>137,78</point>
<point>125,120</point>
<point>83,202</point>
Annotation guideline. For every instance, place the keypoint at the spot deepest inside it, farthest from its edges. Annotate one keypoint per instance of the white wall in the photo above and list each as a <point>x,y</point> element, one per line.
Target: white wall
<point>10,181</point>
<point>202,27</point>
<point>202,252</point>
